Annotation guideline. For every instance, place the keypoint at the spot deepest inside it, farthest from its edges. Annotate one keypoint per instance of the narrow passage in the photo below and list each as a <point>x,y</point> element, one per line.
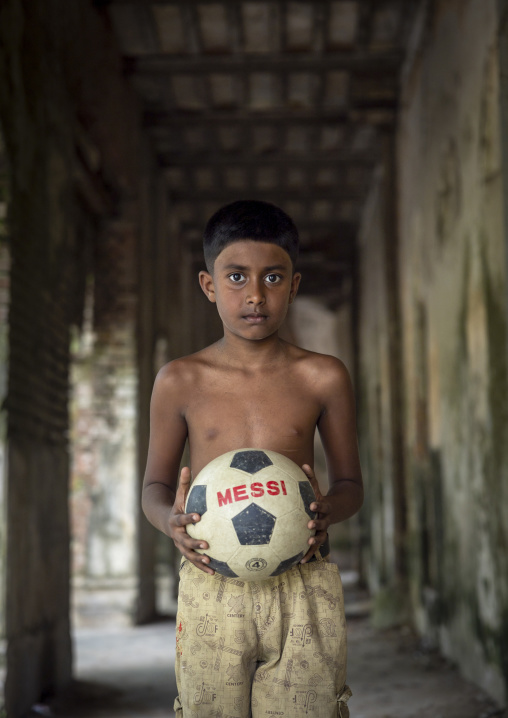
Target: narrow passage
<point>128,673</point>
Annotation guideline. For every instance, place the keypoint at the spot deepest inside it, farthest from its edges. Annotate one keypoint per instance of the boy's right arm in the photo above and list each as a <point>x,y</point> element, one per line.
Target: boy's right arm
<point>163,496</point>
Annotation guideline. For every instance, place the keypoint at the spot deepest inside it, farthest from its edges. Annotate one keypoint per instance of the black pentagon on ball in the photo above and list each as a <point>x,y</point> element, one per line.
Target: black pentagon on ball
<point>308,496</point>
<point>254,526</point>
<point>250,461</point>
<point>288,563</point>
<point>196,503</point>
<point>222,568</point>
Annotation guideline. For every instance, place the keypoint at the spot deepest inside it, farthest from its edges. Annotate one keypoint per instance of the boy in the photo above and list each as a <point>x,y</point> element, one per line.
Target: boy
<point>276,647</point>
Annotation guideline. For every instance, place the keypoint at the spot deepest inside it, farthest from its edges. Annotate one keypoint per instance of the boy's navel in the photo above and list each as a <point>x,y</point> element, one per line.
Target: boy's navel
<point>211,434</point>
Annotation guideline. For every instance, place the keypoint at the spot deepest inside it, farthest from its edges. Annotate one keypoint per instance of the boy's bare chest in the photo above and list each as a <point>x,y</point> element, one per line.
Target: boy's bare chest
<point>273,412</point>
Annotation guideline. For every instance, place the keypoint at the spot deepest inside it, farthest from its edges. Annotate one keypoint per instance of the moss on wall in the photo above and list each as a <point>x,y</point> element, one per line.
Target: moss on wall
<point>452,227</point>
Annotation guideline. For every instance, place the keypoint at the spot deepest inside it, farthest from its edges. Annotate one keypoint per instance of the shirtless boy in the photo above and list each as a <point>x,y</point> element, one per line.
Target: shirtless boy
<point>275,647</point>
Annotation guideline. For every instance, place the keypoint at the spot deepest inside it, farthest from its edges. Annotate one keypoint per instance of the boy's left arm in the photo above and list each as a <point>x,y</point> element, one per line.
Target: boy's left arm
<point>337,428</point>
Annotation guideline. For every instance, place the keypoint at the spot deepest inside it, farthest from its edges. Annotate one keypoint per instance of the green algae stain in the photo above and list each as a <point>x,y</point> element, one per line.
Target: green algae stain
<point>494,635</point>
<point>498,370</point>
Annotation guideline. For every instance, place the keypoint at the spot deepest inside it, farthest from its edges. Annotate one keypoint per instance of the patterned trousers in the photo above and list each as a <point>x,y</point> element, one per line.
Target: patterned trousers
<point>256,650</point>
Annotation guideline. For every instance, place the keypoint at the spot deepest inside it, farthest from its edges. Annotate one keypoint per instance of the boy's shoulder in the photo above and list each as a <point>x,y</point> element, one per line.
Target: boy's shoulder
<point>314,358</point>
<point>185,369</point>
<point>322,368</point>
<point>308,367</point>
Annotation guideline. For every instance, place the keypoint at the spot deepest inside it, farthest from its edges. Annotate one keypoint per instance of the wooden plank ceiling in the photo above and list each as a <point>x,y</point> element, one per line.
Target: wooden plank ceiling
<point>285,101</point>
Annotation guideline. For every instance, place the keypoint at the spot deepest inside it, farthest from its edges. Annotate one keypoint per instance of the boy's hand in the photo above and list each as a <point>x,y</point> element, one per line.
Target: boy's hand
<point>323,520</point>
<point>178,520</point>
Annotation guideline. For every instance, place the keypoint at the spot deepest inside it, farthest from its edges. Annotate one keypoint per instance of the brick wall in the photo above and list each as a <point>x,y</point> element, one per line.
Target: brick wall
<point>69,122</point>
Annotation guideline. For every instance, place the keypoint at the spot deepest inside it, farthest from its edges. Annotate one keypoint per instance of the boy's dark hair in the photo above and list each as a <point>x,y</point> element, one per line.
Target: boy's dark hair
<point>249,219</point>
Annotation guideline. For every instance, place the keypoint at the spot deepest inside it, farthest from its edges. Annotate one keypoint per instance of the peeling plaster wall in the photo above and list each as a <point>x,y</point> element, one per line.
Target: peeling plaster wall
<point>104,496</point>
<point>453,290</point>
<point>453,376</point>
<point>375,418</point>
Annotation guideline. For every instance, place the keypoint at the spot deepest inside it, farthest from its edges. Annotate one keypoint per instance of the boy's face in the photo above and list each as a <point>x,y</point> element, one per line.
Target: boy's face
<point>252,284</point>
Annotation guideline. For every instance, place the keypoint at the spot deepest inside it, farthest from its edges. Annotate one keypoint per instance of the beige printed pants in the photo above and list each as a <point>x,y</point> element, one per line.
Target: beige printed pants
<point>257,650</point>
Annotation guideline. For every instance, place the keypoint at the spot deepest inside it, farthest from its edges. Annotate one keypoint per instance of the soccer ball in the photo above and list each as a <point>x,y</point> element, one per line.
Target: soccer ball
<point>254,507</point>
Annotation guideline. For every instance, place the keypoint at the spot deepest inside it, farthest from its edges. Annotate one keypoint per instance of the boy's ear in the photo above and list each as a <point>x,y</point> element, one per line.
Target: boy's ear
<point>206,284</point>
<point>295,283</point>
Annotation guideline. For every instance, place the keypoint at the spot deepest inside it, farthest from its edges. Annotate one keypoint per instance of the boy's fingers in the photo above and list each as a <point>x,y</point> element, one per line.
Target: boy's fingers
<point>201,562</point>
<point>315,543</point>
<point>203,567</point>
<point>187,542</point>
<point>195,544</point>
<point>188,548</point>
<point>321,507</point>
<point>186,519</point>
<point>184,483</point>
<point>322,520</point>
<point>309,473</point>
<point>182,491</point>
<point>193,555</point>
<point>321,526</point>
<point>310,553</point>
<point>185,474</point>
<point>318,539</point>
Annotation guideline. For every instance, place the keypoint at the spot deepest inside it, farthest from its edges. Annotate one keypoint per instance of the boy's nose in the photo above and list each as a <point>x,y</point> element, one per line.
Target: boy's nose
<point>256,294</point>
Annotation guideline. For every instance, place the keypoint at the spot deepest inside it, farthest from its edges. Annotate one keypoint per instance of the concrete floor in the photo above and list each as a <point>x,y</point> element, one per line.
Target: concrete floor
<point>127,672</point>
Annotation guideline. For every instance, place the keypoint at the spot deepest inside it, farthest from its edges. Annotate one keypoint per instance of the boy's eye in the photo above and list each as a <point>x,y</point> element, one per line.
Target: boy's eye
<point>236,277</point>
<point>273,278</point>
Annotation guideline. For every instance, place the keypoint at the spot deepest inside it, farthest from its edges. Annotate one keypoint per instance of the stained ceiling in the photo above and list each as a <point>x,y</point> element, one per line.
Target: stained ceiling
<point>285,101</point>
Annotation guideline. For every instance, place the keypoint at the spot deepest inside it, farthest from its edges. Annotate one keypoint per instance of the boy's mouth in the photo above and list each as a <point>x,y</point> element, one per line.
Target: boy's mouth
<point>254,318</point>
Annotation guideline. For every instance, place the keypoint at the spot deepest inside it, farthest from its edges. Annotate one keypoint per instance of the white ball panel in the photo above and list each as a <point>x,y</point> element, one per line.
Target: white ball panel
<point>290,535</point>
<point>219,533</point>
<point>247,556</point>
<point>286,465</point>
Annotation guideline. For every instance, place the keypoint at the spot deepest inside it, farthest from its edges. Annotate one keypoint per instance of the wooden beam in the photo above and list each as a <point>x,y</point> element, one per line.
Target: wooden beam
<point>336,194</point>
<point>372,63</point>
<point>325,233</point>
<point>337,256</point>
<point>201,2</point>
<point>183,119</point>
<point>342,160</point>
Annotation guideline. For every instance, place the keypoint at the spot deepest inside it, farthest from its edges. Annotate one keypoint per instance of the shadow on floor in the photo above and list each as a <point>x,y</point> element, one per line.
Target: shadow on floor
<point>124,672</point>
<point>128,673</point>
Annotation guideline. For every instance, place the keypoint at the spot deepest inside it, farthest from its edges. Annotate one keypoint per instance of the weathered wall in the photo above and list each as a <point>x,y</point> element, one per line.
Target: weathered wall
<point>375,420</point>
<point>104,495</point>
<point>72,137</point>
<point>451,233</point>
<point>383,518</point>
<point>159,284</point>
<point>454,318</point>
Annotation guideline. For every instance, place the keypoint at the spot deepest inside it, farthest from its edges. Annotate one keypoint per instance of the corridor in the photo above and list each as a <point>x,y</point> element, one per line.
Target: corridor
<point>128,673</point>
<point>381,128</point>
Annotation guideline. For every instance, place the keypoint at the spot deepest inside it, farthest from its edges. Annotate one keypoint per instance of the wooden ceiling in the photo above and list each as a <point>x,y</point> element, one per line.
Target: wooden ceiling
<point>271,99</point>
